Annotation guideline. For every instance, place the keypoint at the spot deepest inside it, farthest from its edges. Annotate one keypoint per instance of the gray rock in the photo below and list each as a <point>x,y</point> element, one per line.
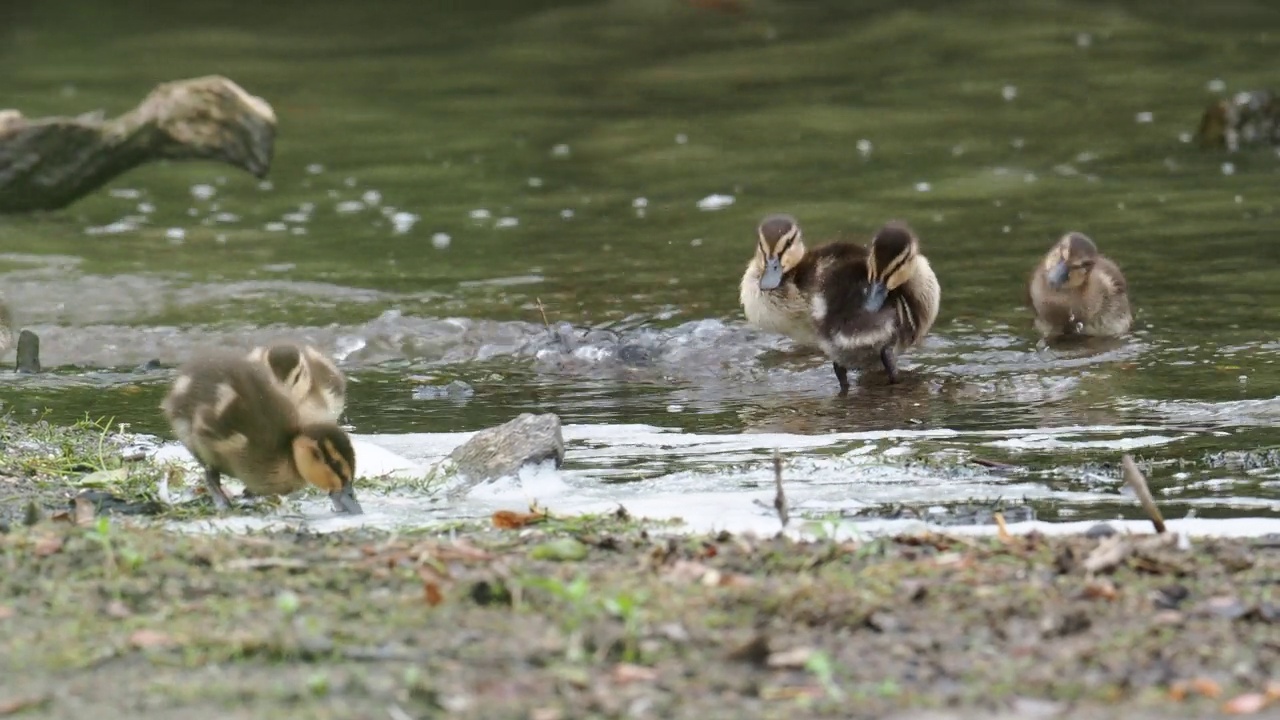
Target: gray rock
<point>28,352</point>
<point>503,450</point>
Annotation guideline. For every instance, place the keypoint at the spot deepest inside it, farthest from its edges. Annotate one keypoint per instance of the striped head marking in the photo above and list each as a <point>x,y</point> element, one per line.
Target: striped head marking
<point>779,248</point>
<point>892,258</point>
<point>1069,262</point>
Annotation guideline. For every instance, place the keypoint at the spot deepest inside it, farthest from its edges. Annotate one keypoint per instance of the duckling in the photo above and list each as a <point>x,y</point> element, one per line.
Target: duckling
<point>876,306</point>
<point>781,276</point>
<point>314,382</point>
<point>1077,291</point>
<point>235,418</point>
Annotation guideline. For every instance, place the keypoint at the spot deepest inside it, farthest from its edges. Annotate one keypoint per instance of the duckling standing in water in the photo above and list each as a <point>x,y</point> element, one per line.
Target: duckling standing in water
<point>236,419</point>
<point>876,307</point>
<point>781,276</point>
<point>314,382</point>
<point>1076,291</point>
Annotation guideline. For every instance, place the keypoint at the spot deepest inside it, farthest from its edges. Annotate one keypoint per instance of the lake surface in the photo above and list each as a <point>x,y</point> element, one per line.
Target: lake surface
<point>449,183</point>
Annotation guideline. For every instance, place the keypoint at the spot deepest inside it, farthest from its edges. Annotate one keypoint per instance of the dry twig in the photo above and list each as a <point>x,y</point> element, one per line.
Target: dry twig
<point>780,499</point>
<point>1133,477</point>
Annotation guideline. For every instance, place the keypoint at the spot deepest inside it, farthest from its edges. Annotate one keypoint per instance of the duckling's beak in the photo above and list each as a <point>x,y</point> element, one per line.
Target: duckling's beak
<point>772,276</point>
<point>877,293</point>
<point>1058,274</point>
<point>344,500</point>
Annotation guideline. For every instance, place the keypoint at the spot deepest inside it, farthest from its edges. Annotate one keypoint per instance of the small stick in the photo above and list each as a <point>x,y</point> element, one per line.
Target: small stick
<point>780,499</point>
<point>1133,477</point>
<point>543,312</point>
<point>1003,529</point>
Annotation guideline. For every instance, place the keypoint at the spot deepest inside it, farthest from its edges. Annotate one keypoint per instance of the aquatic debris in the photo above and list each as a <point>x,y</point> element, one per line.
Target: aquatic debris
<point>203,192</point>
<point>441,240</point>
<point>560,151</point>
<point>348,207</point>
<point>509,520</point>
<point>402,222</point>
<point>715,202</point>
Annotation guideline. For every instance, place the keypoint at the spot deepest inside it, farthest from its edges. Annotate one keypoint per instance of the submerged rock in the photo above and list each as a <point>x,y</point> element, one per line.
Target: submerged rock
<point>28,352</point>
<point>503,450</point>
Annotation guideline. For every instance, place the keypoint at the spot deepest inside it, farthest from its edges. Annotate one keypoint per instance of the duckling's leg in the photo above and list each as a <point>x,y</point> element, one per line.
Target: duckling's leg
<point>842,374</point>
<point>890,363</point>
<point>213,483</point>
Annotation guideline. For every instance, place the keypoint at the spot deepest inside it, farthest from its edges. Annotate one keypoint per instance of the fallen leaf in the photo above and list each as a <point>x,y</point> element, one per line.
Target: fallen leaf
<point>508,520</point>
<point>47,545</point>
<point>628,673</point>
<point>1110,553</point>
<point>1100,589</point>
<point>61,516</point>
<point>143,639</point>
<point>1002,530</point>
<point>6,612</point>
<point>794,658</point>
<point>17,705</point>
<point>1273,690</point>
<point>431,593</point>
<point>1246,704</point>
<point>1178,691</point>
<point>1206,687</point>
<point>84,512</point>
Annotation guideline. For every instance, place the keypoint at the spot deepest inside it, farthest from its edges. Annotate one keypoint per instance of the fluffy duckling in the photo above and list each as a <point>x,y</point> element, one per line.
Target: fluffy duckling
<point>875,307</point>
<point>314,382</point>
<point>236,419</point>
<point>1077,291</point>
<point>783,274</point>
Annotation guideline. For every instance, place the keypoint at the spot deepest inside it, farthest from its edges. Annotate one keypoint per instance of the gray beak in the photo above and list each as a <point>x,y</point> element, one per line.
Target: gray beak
<point>772,276</point>
<point>1058,274</point>
<point>344,500</point>
<point>877,293</point>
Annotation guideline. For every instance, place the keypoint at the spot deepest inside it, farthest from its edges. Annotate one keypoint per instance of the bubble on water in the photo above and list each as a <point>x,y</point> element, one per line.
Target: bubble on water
<point>1228,168</point>
<point>175,235</point>
<point>315,168</point>
<point>1239,199</point>
<point>715,202</point>
<point>1084,40</point>
<point>441,240</point>
<point>266,186</point>
<point>202,192</point>
<point>682,139</point>
<point>371,197</point>
<point>1184,137</point>
<point>479,214</point>
<point>402,222</point>
<point>349,182</point>
<point>1144,117</point>
<point>566,214</point>
<point>1018,143</point>
<point>675,408</point>
<point>506,222</point>
<point>1029,177</point>
<point>192,212</point>
<point>535,182</point>
<point>1216,85</point>
<point>275,227</point>
<point>146,208</point>
<point>298,231</point>
<point>864,147</point>
<point>696,242</point>
<point>1006,229</point>
<point>295,217</point>
<point>640,203</point>
<point>923,187</point>
<point>348,207</point>
<point>560,151</point>
<point>220,238</point>
<point>957,151</point>
<point>640,212</point>
<point>126,193</point>
<point>226,217</point>
<point>1009,92</point>
<point>1120,206</point>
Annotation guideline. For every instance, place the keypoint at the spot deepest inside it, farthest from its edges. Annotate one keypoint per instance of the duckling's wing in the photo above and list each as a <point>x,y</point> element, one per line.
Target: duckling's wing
<point>839,304</point>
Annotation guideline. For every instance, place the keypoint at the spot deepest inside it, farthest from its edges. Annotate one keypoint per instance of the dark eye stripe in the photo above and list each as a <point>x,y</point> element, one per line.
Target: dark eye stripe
<point>786,245</point>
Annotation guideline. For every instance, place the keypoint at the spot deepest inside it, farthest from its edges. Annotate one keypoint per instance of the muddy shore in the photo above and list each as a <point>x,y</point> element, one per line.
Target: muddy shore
<point>611,617</point>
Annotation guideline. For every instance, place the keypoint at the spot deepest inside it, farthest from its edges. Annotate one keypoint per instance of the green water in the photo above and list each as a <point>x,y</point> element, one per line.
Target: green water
<point>1021,117</point>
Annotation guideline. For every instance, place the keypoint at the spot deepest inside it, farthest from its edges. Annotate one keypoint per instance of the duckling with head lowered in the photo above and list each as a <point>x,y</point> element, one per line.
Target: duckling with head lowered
<point>315,383</point>
<point>783,274</point>
<point>1076,291</point>
<point>876,307</point>
<point>236,419</point>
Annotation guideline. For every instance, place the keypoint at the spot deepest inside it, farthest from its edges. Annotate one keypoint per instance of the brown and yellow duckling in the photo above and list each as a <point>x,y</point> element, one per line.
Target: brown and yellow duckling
<point>877,307</point>
<point>236,419</point>
<point>1077,291</point>
<point>782,275</point>
<point>850,302</point>
<point>314,381</point>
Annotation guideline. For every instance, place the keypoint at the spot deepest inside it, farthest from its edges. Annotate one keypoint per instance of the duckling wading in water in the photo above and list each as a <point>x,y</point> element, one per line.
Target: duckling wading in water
<point>852,303</point>
<point>237,419</point>
<point>315,383</point>
<point>878,307</point>
<point>1076,291</point>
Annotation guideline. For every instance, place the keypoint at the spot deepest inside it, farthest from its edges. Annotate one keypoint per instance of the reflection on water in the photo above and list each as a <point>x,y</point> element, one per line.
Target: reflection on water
<point>552,202</point>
